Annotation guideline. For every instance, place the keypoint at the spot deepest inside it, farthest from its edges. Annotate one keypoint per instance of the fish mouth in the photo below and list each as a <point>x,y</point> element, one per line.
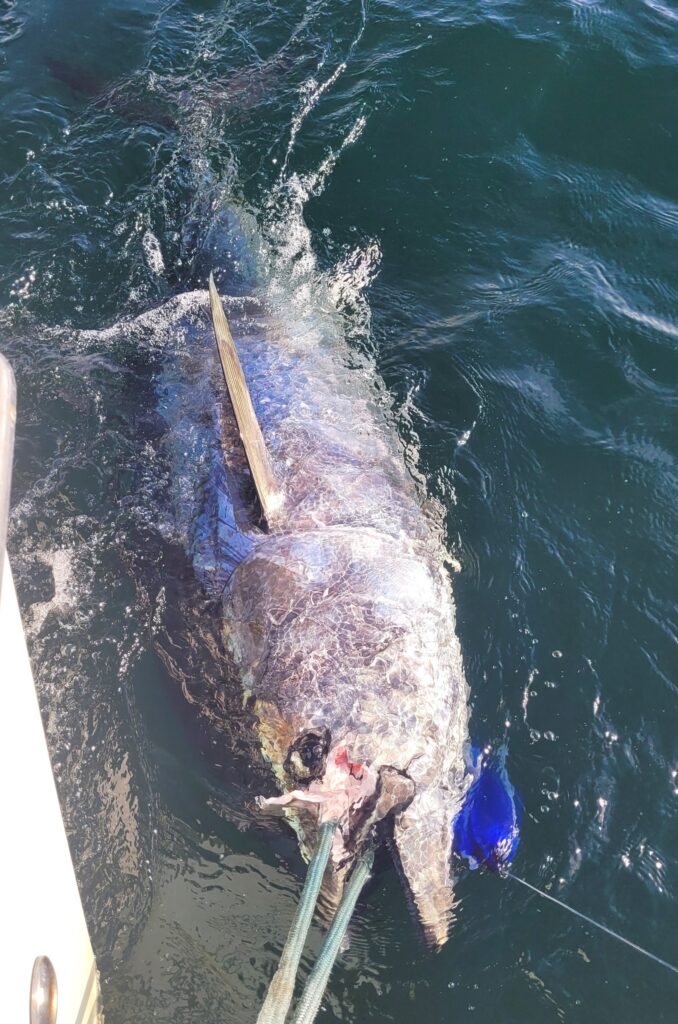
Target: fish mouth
<point>332,787</point>
<point>323,784</point>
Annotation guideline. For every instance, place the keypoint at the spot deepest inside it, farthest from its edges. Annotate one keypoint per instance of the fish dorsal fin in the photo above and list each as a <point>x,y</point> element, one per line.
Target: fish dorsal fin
<point>270,495</point>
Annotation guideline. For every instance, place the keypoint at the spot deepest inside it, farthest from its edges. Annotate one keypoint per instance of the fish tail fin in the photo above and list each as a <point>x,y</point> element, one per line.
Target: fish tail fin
<point>268,491</point>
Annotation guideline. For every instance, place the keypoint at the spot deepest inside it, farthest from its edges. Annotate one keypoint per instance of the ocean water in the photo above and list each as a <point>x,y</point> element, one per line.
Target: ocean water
<point>483,197</point>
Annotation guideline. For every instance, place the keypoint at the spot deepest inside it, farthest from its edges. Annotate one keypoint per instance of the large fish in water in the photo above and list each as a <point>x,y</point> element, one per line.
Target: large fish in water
<point>339,613</point>
<point>135,103</point>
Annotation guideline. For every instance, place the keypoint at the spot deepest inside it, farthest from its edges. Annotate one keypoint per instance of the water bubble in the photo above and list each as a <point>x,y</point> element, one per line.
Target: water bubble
<point>556,654</point>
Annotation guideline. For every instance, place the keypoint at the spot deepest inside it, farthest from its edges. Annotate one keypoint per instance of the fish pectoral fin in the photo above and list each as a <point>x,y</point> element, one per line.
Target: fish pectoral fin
<point>423,841</point>
<point>268,492</point>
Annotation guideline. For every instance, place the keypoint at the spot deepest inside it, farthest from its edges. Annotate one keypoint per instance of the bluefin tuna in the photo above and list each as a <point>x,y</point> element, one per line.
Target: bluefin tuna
<point>340,616</point>
<point>337,602</point>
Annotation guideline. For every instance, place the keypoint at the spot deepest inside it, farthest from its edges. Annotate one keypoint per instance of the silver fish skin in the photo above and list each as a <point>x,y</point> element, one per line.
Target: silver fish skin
<point>341,619</point>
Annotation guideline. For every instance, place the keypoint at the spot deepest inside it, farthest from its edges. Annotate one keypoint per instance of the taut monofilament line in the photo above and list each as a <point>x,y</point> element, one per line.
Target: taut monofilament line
<point>596,924</point>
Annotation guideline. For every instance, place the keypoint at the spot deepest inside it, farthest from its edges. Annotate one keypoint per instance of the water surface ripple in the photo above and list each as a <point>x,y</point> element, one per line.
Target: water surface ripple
<point>488,192</point>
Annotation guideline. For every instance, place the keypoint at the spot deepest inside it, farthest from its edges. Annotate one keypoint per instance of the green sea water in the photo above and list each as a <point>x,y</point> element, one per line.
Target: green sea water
<point>490,191</point>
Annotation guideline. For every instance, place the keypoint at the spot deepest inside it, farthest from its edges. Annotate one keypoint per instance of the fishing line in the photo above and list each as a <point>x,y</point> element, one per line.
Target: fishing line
<point>596,924</point>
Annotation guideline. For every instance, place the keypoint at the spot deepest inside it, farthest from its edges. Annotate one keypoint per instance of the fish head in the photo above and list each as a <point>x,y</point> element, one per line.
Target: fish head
<point>353,781</point>
<point>325,784</point>
<point>356,708</point>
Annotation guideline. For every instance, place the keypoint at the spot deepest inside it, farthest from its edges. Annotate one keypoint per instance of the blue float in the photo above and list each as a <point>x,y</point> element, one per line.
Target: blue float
<point>487,828</point>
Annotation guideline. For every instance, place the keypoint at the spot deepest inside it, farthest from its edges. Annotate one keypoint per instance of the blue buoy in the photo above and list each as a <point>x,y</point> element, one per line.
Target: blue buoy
<point>487,828</point>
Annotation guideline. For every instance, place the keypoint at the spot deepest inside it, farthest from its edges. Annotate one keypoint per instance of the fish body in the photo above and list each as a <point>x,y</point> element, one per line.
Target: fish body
<point>240,92</point>
<point>341,621</point>
<point>339,616</point>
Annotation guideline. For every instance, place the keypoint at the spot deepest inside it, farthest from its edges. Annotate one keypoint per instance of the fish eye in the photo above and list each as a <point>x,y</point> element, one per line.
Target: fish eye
<point>307,756</point>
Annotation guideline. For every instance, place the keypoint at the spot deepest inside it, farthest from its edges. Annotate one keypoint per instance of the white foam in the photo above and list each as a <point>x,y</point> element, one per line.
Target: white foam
<point>60,561</point>
<point>153,253</point>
